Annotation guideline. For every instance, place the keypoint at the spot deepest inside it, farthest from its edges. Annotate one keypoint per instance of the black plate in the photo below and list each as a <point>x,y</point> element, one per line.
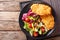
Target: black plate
<point>25,10</point>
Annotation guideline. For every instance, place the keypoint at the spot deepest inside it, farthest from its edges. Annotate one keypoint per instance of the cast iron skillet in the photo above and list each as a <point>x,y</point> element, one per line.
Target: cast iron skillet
<point>25,10</point>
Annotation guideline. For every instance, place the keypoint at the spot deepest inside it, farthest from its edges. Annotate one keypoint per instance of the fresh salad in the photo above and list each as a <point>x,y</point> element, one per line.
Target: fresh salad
<point>33,24</point>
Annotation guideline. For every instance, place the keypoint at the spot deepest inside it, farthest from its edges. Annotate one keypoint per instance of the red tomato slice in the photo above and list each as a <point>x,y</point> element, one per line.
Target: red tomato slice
<point>35,34</point>
<point>30,25</point>
<point>27,19</point>
<point>43,29</point>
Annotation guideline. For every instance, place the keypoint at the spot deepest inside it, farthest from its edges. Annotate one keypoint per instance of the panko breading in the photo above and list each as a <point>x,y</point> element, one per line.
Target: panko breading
<point>48,21</point>
<point>41,9</point>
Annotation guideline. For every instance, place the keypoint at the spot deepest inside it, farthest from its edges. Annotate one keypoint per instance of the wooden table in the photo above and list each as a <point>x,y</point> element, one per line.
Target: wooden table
<point>9,14</point>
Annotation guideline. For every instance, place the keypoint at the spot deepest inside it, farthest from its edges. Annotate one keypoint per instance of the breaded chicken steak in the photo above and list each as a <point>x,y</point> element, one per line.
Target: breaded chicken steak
<point>41,9</point>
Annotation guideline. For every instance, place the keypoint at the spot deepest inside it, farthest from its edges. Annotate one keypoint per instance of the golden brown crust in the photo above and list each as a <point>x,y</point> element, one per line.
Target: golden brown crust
<point>41,9</point>
<point>48,21</point>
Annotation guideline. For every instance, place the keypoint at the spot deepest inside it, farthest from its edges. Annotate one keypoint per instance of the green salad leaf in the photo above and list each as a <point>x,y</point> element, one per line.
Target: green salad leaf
<point>26,26</point>
<point>32,18</point>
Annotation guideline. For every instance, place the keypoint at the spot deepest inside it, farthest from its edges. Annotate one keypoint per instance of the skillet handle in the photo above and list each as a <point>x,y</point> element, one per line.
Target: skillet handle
<point>22,4</point>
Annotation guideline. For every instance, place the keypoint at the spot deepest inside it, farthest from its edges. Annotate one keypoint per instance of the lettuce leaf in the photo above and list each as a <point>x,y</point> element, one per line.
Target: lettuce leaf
<point>26,26</point>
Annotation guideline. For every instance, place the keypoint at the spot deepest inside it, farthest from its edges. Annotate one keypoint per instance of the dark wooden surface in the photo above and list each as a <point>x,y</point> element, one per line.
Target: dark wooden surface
<point>9,14</point>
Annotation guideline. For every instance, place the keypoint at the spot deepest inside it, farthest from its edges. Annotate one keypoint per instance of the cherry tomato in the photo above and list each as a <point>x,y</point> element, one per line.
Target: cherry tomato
<point>35,34</point>
<point>27,19</point>
<point>30,25</point>
<point>43,29</point>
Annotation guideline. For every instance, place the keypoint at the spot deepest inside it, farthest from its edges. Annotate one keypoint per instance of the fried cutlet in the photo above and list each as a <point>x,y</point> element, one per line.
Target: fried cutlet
<point>48,21</point>
<point>41,9</point>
